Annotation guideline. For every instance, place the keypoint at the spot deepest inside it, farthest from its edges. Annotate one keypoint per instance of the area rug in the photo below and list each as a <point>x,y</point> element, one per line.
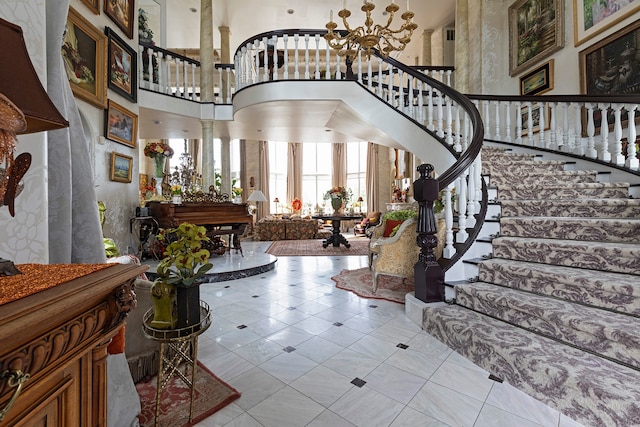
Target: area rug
<point>211,395</point>
<point>360,282</point>
<point>359,246</point>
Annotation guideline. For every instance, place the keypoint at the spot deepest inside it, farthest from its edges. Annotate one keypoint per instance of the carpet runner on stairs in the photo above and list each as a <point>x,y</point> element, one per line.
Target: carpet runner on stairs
<point>554,311</point>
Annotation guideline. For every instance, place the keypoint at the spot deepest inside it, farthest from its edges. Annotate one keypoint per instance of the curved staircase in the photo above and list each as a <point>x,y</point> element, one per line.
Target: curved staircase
<point>554,309</point>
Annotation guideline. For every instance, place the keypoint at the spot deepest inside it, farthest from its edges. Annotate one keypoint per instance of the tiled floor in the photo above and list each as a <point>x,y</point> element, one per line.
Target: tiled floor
<point>314,355</point>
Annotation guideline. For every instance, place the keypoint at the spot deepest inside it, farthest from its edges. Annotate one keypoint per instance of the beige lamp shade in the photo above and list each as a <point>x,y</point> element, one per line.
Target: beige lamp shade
<point>257,196</point>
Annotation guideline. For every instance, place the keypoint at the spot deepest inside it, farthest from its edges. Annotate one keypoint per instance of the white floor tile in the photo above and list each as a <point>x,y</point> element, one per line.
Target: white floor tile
<point>288,366</point>
<point>300,410</point>
<point>365,407</point>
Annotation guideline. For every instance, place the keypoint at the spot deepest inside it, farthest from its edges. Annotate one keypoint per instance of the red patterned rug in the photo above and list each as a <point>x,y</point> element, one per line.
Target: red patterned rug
<point>359,246</point>
<point>211,395</point>
<point>360,282</point>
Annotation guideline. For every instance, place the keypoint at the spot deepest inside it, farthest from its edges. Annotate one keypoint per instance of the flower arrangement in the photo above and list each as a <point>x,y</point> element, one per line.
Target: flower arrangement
<point>296,204</point>
<point>176,189</point>
<point>185,260</point>
<point>438,204</point>
<point>237,191</point>
<point>158,149</point>
<point>338,192</point>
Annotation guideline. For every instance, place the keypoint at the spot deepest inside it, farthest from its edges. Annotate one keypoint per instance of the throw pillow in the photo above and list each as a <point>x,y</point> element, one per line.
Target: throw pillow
<point>395,230</point>
<point>389,225</point>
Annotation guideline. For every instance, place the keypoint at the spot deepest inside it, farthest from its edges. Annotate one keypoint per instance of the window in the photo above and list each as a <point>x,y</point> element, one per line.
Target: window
<point>316,173</point>
<point>277,173</point>
<point>356,172</point>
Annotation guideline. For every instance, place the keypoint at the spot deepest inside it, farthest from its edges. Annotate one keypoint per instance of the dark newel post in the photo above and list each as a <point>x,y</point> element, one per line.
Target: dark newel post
<point>427,273</point>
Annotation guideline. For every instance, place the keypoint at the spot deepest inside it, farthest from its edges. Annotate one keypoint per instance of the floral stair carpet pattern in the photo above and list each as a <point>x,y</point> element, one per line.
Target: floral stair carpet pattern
<point>555,310</point>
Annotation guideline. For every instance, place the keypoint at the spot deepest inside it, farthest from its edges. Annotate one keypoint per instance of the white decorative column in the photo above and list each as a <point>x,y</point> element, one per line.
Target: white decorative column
<point>461,44</point>
<point>206,89</point>
<point>426,47</point>
<point>225,58</point>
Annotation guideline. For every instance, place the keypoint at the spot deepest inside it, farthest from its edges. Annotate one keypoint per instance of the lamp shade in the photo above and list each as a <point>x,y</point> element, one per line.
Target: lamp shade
<point>20,83</point>
<point>257,196</point>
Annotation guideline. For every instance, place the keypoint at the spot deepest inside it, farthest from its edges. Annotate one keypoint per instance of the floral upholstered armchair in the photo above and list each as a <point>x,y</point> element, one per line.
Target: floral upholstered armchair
<point>396,255</point>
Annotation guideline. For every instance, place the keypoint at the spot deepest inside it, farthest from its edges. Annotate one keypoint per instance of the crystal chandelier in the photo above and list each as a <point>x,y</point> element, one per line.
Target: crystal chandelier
<point>370,36</point>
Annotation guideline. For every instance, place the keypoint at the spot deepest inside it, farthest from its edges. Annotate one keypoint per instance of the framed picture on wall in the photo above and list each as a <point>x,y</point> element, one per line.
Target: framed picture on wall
<point>121,13</point>
<point>84,50</point>
<point>121,66</point>
<point>592,17</point>
<point>121,124</point>
<point>536,30</point>
<point>610,67</point>
<point>94,5</point>
<point>537,81</point>
<point>121,166</point>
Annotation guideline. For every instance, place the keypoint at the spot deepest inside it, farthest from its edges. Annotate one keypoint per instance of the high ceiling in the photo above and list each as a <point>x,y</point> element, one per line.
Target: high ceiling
<point>247,18</point>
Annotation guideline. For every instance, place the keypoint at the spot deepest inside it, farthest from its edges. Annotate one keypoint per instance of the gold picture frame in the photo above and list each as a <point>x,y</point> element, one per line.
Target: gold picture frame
<point>121,167</point>
<point>586,25</point>
<point>537,81</point>
<point>536,30</point>
<point>121,125</point>
<point>84,53</point>
<point>94,5</point>
<point>121,13</point>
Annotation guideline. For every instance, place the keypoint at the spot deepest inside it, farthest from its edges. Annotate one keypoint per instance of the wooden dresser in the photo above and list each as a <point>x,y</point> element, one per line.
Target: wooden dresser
<point>59,336</point>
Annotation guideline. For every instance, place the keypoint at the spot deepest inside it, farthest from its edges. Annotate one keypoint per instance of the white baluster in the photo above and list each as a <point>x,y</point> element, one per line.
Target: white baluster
<point>618,155</point>
<point>285,71</point>
<point>430,123</point>
<point>369,75</point>
<point>169,88</point>
<point>518,123</point>
<point>591,128</point>
<point>497,121</point>
<point>471,196</point>
<point>486,119</point>
<point>457,146</point>
<point>605,154</point>
<point>449,78</point>
<point>465,132</point>
<point>448,132</point>
<point>507,124</point>
<point>420,103</point>
<point>566,139</point>
<point>307,76</point>
<point>553,128</point>
<point>274,59</point>
<point>461,193</point>
<point>579,147</point>
<point>448,250</point>
<point>317,74</point>
<point>296,67</point>
<point>530,140</point>
<point>162,84</point>
<point>440,115</point>
<point>542,124</point>
<point>632,156</point>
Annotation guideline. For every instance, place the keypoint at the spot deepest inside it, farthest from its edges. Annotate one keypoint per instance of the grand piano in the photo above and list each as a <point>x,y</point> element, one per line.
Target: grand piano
<point>220,218</point>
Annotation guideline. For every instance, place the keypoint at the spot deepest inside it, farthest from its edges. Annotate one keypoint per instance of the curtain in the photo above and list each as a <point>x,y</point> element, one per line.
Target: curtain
<point>294,171</point>
<point>371,177</point>
<point>193,147</point>
<point>339,164</point>
<point>244,180</point>
<point>263,160</point>
<point>75,234</point>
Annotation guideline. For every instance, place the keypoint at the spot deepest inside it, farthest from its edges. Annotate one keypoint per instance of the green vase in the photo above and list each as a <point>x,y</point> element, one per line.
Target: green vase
<point>336,204</point>
<point>165,305</point>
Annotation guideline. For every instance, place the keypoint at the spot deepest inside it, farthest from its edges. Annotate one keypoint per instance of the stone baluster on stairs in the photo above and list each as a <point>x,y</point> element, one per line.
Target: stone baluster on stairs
<point>428,275</point>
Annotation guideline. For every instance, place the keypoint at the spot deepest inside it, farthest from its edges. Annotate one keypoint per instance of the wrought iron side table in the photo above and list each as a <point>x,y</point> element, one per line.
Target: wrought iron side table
<point>177,347</point>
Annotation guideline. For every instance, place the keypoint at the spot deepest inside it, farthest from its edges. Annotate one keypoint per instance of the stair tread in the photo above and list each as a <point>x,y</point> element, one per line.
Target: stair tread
<point>613,325</point>
<point>566,242</point>
<point>569,379</point>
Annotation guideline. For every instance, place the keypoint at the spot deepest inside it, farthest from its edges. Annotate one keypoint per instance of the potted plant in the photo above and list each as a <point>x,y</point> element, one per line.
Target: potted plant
<point>185,262</point>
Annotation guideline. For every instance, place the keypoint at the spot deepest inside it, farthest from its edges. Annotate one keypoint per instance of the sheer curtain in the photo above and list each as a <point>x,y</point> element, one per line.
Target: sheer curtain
<point>339,164</point>
<point>75,235</point>
<point>294,171</point>
<point>263,159</point>
<point>373,198</point>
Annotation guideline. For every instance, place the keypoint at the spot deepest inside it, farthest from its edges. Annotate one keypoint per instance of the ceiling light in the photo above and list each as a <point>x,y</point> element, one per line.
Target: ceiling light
<point>193,9</point>
<point>157,122</point>
<point>370,36</point>
<point>290,11</point>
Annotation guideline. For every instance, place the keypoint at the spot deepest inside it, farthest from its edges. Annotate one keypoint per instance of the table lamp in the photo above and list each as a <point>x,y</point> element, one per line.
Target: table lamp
<point>360,200</point>
<point>255,197</point>
<point>276,201</point>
